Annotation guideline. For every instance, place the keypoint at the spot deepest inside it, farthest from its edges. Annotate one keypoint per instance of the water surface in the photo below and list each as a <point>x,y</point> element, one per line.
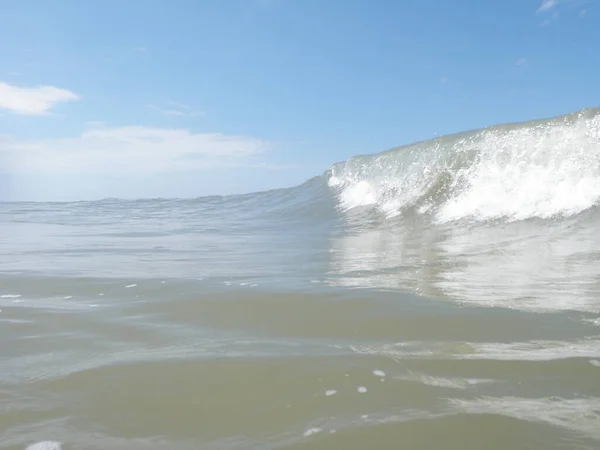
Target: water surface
<point>443,295</point>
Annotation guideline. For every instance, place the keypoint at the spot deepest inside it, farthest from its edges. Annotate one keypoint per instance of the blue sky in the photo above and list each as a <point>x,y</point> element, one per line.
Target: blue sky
<point>184,98</point>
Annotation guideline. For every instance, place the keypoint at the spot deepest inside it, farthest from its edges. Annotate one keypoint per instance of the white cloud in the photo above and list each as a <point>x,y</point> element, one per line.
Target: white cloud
<point>129,150</point>
<point>34,101</point>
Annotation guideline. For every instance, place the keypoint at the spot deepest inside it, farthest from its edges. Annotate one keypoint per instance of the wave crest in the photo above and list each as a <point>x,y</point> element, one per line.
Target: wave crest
<point>539,169</point>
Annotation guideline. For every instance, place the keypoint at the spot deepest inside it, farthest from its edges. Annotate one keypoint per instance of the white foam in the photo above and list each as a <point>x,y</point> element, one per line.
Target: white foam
<point>68,297</point>
<point>359,194</point>
<point>595,362</point>
<point>10,296</point>
<point>312,431</point>
<point>131,286</point>
<point>450,383</point>
<point>537,350</point>
<point>330,392</point>
<point>362,389</point>
<point>45,445</point>
<point>509,172</point>
<point>579,415</point>
<point>379,373</point>
<point>532,172</point>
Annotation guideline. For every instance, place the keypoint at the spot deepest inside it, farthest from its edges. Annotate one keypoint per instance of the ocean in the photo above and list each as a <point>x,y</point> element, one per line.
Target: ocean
<point>441,295</point>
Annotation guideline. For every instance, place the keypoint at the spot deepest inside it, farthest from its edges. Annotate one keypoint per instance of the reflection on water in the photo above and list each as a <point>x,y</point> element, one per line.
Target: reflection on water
<point>533,265</point>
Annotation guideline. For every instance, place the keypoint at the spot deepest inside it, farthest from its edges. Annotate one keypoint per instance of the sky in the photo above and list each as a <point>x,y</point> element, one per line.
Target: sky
<point>185,98</point>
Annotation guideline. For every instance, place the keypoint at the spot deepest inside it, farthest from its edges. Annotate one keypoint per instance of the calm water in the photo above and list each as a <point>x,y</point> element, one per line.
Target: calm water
<point>444,295</point>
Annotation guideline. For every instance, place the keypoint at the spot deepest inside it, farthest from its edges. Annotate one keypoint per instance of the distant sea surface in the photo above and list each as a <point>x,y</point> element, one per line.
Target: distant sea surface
<point>442,295</point>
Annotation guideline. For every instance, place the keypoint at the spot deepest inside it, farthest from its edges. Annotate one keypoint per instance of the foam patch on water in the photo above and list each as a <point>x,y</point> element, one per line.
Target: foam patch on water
<point>379,373</point>
<point>45,445</point>
<point>579,415</point>
<point>450,383</point>
<point>131,286</point>
<point>312,431</point>
<point>330,392</point>
<point>10,296</point>
<point>517,351</point>
<point>536,350</point>
<point>361,389</point>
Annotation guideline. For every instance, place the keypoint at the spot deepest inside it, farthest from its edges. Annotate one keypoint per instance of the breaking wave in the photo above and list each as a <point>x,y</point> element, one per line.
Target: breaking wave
<point>541,169</point>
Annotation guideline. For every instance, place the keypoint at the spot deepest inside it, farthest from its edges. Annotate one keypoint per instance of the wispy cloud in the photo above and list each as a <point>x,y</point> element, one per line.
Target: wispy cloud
<point>522,61</point>
<point>552,18</point>
<point>178,105</point>
<point>95,123</point>
<point>547,5</point>
<point>167,112</point>
<point>34,101</point>
<point>129,150</point>
<point>175,109</point>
